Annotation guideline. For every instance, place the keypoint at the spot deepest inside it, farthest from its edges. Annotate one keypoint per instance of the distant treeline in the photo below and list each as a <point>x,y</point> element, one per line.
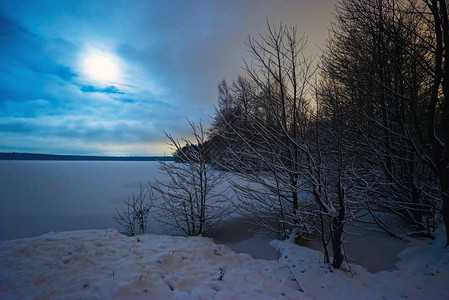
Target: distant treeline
<point>34,156</point>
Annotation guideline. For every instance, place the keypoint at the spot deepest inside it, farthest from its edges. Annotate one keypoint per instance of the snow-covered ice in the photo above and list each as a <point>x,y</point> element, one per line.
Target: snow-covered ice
<point>104,264</point>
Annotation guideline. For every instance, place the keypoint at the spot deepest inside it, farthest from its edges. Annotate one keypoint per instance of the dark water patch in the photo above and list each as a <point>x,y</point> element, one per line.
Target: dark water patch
<point>258,246</point>
<point>374,250</point>
<point>232,231</point>
<point>244,237</point>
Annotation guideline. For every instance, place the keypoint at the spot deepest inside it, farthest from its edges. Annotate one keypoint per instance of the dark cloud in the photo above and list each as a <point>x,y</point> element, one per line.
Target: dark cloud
<point>107,90</point>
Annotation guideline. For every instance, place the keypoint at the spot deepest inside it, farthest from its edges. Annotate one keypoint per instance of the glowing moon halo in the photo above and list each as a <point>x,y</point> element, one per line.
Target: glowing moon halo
<point>101,67</point>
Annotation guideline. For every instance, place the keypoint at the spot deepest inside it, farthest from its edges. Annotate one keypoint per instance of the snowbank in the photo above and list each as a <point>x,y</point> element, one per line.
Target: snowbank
<point>98,264</point>
<point>423,273</point>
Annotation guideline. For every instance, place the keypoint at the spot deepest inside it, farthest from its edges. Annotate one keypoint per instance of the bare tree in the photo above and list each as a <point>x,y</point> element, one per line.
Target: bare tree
<point>133,217</point>
<point>379,54</point>
<point>333,167</point>
<point>289,180</point>
<point>433,130</point>
<point>264,123</point>
<point>193,198</point>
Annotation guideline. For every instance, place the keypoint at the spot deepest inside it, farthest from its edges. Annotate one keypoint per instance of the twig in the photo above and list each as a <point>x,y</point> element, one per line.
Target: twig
<point>296,279</point>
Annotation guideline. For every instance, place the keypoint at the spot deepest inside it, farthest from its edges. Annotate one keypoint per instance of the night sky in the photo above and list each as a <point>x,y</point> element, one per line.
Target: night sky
<point>107,77</point>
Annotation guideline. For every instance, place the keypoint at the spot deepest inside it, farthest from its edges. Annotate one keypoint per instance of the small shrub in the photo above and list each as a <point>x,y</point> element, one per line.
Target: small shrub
<point>133,217</point>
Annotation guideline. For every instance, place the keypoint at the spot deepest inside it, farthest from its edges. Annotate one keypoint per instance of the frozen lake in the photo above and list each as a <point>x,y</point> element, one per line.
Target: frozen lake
<point>41,196</point>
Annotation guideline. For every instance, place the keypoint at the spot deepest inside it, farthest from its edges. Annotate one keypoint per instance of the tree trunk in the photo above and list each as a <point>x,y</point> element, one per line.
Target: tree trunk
<point>337,228</point>
<point>444,178</point>
<point>323,238</point>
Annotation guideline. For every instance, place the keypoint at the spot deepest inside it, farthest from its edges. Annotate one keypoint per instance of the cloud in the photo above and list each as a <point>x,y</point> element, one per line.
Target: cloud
<point>170,56</point>
<point>87,129</point>
<point>107,90</point>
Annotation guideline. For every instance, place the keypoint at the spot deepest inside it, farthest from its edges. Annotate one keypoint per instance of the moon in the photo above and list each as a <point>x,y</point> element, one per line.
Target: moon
<point>101,67</point>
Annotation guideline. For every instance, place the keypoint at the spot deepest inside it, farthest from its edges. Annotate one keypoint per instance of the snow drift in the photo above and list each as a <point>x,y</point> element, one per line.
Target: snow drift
<point>104,264</point>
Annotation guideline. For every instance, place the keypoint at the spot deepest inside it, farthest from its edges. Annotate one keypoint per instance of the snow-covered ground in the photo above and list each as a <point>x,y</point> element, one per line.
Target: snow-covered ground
<point>103,264</point>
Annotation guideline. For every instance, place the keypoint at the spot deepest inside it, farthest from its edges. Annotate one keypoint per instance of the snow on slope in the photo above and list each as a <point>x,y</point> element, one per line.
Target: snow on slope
<point>98,264</point>
<point>423,273</point>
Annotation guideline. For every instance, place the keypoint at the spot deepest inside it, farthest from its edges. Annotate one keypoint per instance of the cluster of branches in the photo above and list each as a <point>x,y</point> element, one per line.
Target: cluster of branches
<point>293,175</point>
<point>133,217</point>
<point>193,198</point>
<point>188,195</point>
<point>370,136</point>
<point>387,65</point>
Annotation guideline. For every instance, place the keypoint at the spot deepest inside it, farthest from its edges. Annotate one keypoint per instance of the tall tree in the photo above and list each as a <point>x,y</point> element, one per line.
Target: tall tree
<point>391,58</point>
<point>290,180</point>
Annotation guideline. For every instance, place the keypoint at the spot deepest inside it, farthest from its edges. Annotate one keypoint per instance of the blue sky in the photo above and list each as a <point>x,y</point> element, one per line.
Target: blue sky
<point>107,77</point>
